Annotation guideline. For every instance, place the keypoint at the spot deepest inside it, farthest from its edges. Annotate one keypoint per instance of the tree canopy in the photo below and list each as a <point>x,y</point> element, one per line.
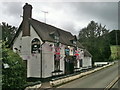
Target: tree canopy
<point>8,32</point>
<point>113,35</point>
<point>95,39</point>
<point>13,67</point>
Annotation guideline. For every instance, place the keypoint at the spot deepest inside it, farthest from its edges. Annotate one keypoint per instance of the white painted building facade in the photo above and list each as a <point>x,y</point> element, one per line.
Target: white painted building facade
<point>41,64</point>
<point>34,60</point>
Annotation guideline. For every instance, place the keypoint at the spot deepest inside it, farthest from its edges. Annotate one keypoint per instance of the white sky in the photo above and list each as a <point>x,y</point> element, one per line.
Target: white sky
<point>68,15</point>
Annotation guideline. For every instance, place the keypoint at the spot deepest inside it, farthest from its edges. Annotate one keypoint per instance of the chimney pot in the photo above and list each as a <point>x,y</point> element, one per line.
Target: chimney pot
<point>26,3</point>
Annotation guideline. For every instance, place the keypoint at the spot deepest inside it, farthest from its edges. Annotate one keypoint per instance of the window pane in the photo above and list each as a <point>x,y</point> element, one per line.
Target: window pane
<point>35,46</point>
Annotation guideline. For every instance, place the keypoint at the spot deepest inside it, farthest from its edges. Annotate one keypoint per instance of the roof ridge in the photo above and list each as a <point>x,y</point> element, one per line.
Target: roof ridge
<point>51,25</point>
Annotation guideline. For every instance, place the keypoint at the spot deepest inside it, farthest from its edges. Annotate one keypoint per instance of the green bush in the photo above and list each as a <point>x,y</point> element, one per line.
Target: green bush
<point>13,70</point>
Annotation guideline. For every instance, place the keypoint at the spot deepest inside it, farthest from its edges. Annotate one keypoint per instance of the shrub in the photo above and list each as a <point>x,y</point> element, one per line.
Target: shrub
<point>13,70</point>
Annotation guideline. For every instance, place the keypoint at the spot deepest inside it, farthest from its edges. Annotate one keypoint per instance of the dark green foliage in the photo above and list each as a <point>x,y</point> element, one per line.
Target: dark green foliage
<point>104,48</point>
<point>112,37</point>
<point>95,39</point>
<point>8,32</point>
<point>13,76</point>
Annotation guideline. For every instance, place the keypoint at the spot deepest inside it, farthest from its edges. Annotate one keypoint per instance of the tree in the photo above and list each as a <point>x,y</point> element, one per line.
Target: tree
<point>94,37</point>
<point>13,70</point>
<point>113,35</point>
<point>104,48</point>
<point>8,32</point>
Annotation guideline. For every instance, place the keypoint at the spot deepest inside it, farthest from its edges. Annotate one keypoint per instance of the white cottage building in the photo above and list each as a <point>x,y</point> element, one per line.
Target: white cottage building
<point>47,50</point>
<point>87,61</point>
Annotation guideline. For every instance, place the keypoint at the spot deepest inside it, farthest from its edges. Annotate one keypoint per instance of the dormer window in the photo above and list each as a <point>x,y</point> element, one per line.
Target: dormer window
<point>56,38</point>
<point>74,42</point>
<point>35,46</point>
<point>55,35</point>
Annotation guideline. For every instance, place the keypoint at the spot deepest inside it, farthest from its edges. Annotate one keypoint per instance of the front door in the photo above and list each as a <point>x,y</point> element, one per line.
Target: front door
<point>69,65</point>
<point>81,62</point>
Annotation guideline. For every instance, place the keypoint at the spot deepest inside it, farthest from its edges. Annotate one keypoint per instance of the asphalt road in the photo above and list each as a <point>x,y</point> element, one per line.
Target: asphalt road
<point>116,85</point>
<point>99,79</point>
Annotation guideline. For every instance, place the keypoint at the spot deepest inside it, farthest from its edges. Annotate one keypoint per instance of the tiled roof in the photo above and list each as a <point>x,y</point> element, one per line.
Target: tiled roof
<point>87,54</point>
<point>45,30</point>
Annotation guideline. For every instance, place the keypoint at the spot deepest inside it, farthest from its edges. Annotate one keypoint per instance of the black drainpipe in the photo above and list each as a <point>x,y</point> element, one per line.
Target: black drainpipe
<point>41,58</point>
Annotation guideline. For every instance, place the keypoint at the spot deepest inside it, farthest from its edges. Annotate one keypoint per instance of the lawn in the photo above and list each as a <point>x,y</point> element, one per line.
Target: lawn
<point>115,52</point>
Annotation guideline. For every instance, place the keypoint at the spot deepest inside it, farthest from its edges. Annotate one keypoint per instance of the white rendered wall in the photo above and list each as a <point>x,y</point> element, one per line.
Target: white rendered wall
<point>81,57</point>
<point>78,63</point>
<point>87,62</point>
<point>62,54</point>
<point>33,61</point>
<point>48,59</point>
<point>71,51</point>
<point>17,42</point>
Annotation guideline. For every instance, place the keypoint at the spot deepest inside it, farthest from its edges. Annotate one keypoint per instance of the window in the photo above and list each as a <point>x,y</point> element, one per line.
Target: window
<point>74,42</point>
<point>56,38</point>
<point>57,53</point>
<point>57,59</point>
<point>35,46</point>
<point>67,51</point>
<point>56,62</point>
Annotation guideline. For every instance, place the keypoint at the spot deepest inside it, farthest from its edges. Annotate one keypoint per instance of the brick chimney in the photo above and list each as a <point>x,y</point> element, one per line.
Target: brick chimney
<point>27,13</point>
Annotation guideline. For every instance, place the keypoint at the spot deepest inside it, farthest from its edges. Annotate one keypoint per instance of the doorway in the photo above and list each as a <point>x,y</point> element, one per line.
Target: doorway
<point>69,65</point>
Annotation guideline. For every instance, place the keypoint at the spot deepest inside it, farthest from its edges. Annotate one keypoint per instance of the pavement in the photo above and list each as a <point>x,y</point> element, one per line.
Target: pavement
<point>45,85</point>
<point>99,79</point>
<point>60,81</point>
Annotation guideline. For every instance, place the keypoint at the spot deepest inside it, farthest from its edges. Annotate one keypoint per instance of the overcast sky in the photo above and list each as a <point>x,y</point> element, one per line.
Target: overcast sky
<point>70,16</point>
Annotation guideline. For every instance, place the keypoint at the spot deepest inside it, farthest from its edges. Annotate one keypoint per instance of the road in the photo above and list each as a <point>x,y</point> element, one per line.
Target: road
<point>99,79</point>
<point>116,85</point>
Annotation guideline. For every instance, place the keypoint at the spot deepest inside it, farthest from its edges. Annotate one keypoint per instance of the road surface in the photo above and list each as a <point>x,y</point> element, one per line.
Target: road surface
<point>99,79</point>
<point>117,85</point>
